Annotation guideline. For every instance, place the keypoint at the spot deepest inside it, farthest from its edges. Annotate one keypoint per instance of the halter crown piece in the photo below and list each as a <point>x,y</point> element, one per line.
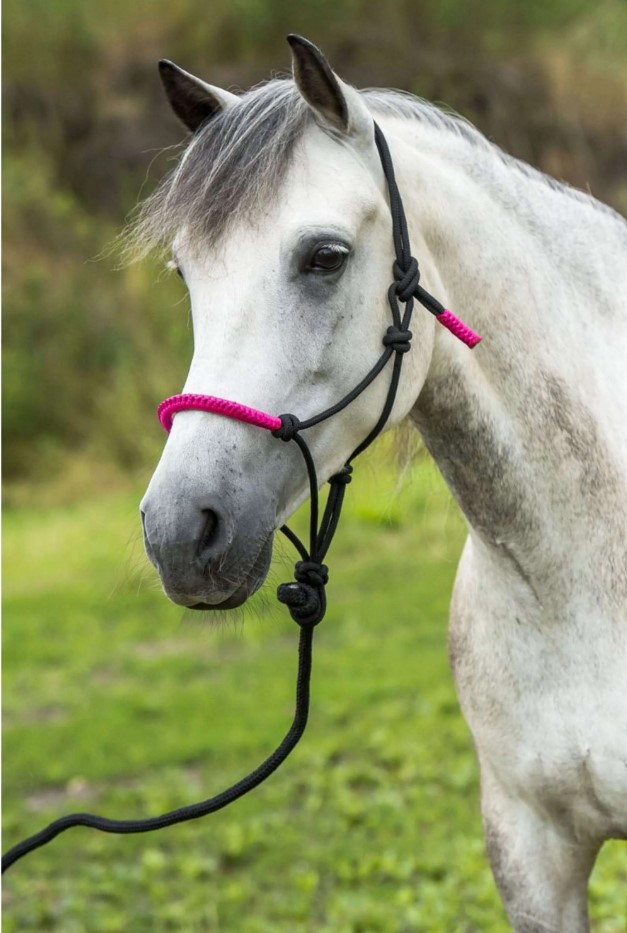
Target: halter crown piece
<point>305,597</point>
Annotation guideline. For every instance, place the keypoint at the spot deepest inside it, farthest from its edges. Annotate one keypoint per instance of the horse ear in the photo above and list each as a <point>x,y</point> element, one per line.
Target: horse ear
<point>334,103</point>
<point>191,99</point>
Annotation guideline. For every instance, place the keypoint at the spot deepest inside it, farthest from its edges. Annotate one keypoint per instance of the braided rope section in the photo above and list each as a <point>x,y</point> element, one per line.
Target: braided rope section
<point>458,328</point>
<point>219,406</point>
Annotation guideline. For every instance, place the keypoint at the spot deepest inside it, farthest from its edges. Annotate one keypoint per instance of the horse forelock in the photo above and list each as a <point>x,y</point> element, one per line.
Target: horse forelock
<point>231,168</point>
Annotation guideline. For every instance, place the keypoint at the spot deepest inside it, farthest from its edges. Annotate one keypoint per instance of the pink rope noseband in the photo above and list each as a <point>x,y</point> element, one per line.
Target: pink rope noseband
<point>261,419</point>
<point>218,406</point>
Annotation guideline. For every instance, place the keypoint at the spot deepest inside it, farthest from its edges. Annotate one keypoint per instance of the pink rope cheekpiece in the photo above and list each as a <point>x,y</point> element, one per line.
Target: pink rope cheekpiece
<point>458,328</point>
<point>218,406</point>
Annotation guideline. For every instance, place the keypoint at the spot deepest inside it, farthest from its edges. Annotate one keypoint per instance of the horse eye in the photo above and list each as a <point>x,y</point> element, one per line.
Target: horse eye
<point>327,258</point>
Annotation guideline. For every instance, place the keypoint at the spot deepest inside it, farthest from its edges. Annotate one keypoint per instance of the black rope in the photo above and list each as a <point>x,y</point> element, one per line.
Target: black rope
<point>196,810</point>
<point>305,597</point>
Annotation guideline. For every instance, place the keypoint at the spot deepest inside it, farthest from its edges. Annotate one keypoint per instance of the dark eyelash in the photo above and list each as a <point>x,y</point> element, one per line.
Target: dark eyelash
<point>173,266</point>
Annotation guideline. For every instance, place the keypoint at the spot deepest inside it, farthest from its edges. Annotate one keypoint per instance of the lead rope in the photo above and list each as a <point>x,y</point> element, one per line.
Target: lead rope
<point>306,596</point>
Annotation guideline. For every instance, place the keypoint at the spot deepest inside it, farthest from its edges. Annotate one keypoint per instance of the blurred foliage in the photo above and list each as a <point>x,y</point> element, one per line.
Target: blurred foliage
<point>88,349</point>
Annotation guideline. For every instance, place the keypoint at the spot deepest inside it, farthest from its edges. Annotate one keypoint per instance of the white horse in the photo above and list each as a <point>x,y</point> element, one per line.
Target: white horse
<point>278,219</point>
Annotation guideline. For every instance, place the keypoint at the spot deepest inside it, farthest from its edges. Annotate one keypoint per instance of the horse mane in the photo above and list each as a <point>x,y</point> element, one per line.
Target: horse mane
<point>403,105</point>
<point>234,165</point>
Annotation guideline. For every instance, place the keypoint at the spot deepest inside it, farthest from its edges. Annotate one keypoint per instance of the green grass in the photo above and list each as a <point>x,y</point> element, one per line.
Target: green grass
<point>116,701</point>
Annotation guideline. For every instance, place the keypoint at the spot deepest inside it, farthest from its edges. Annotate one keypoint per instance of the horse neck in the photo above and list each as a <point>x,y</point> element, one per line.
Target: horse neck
<point>525,428</point>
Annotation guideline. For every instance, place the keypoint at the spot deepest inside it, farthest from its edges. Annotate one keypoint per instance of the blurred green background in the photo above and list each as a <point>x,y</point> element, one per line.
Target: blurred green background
<point>116,701</point>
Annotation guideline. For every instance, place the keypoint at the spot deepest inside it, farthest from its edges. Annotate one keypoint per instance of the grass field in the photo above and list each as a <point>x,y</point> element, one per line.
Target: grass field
<point>116,701</point>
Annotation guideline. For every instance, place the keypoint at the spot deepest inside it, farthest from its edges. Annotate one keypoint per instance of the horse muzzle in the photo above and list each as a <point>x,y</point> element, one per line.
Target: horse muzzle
<point>204,558</point>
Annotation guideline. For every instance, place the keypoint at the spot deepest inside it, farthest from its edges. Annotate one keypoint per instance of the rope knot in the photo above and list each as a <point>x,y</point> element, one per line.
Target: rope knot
<point>290,426</point>
<point>342,477</point>
<point>311,572</point>
<point>406,280</point>
<point>398,339</point>
<point>306,599</point>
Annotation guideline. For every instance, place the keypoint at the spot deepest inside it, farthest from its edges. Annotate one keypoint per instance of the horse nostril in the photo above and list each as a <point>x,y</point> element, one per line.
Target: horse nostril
<point>209,532</point>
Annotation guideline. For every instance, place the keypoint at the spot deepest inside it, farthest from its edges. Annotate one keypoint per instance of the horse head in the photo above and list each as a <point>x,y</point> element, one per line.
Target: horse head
<point>278,221</point>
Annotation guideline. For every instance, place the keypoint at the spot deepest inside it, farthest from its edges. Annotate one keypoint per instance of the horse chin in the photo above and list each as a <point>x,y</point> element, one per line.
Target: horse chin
<point>238,598</point>
<point>253,579</point>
